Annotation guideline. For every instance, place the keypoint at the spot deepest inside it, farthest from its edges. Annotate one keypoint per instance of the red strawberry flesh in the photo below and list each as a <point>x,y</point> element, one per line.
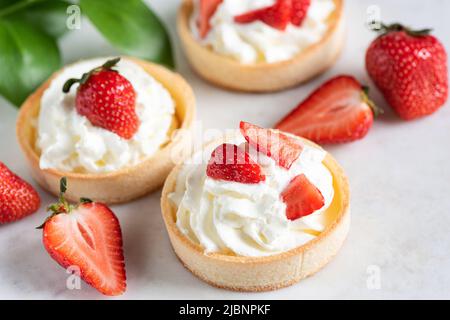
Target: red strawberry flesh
<point>301,198</point>
<point>280,147</point>
<point>277,16</point>
<point>89,238</point>
<point>231,163</point>
<point>207,10</point>
<point>338,111</point>
<point>299,11</point>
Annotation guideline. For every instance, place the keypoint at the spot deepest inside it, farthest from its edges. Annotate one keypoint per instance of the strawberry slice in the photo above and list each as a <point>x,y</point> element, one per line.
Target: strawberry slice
<point>338,111</point>
<point>299,10</point>
<point>277,16</point>
<point>231,163</point>
<point>280,147</point>
<point>207,10</point>
<point>87,235</point>
<point>301,198</point>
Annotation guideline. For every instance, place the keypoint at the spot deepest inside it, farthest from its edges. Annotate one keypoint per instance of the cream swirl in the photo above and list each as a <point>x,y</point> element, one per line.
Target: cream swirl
<point>248,219</point>
<point>69,142</point>
<point>257,41</point>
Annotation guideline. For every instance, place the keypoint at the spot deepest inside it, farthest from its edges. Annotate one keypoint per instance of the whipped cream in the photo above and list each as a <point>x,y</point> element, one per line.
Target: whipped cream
<point>69,142</point>
<point>248,219</point>
<point>256,41</point>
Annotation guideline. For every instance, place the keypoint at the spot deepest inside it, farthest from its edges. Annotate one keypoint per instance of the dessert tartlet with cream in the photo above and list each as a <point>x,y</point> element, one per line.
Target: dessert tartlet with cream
<point>258,210</point>
<point>109,126</point>
<point>261,45</point>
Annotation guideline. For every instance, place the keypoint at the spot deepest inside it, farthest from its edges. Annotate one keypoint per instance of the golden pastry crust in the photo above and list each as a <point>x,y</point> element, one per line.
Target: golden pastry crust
<point>240,273</point>
<point>226,72</point>
<point>125,184</point>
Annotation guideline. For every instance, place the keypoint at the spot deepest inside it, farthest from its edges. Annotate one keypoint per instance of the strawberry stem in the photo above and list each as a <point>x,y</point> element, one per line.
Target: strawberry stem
<point>62,206</point>
<point>365,96</point>
<point>396,27</point>
<point>108,65</point>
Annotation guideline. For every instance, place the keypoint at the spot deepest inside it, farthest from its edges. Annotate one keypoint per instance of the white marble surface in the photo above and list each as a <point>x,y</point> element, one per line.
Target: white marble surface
<point>399,178</point>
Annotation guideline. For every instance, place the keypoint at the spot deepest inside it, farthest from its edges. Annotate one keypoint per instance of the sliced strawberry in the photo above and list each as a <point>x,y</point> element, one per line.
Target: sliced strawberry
<point>87,236</point>
<point>277,16</point>
<point>301,198</point>
<point>338,111</point>
<point>280,147</point>
<point>231,163</point>
<point>18,199</point>
<point>299,11</point>
<point>207,10</point>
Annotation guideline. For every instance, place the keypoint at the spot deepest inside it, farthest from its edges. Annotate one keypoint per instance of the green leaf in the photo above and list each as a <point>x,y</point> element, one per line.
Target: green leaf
<point>48,15</point>
<point>131,27</point>
<point>27,57</point>
<point>7,3</point>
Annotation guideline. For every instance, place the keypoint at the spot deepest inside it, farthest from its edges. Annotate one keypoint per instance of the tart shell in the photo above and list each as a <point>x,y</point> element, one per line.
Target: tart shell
<point>226,72</point>
<point>125,184</point>
<point>266,273</point>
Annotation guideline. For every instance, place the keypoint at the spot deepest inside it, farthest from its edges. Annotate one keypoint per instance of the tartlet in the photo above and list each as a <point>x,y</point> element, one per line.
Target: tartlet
<point>124,184</point>
<point>226,72</point>
<point>243,273</point>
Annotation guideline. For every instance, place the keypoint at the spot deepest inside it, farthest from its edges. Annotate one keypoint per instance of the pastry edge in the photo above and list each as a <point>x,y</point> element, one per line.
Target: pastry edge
<point>124,184</point>
<point>271,272</point>
<point>227,73</point>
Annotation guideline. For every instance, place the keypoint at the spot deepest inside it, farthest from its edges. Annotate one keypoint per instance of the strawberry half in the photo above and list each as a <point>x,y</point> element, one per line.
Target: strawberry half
<point>338,111</point>
<point>301,198</point>
<point>410,69</point>
<point>280,147</point>
<point>277,16</point>
<point>87,235</point>
<point>18,199</point>
<point>107,99</point>
<point>207,10</point>
<point>231,163</point>
<point>299,11</point>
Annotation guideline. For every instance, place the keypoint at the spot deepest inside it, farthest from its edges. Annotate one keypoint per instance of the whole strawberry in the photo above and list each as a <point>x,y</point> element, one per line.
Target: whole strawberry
<point>18,199</point>
<point>107,99</point>
<point>410,69</point>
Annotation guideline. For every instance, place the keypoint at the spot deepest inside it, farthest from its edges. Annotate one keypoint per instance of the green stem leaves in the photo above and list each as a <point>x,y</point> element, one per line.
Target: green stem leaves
<point>27,58</point>
<point>29,30</point>
<point>131,27</point>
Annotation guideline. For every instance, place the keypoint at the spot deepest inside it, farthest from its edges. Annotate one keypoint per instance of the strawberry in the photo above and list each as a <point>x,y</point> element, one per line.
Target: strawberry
<point>280,147</point>
<point>338,111</point>
<point>410,69</point>
<point>231,163</point>
<point>299,10</point>
<point>18,199</point>
<point>277,16</point>
<point>87,235</point>
<point>107,99</point>
<point>301,198</point>
<point>207,10</point>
